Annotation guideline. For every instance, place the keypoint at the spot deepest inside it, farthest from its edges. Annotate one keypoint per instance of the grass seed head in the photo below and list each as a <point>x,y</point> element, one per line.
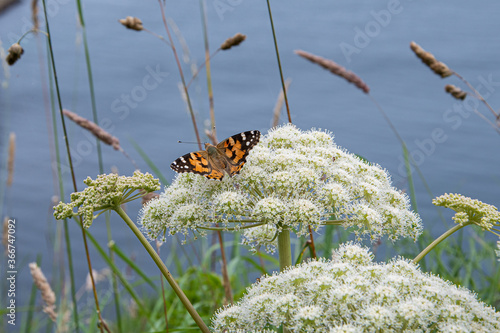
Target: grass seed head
<point>133,23</point>
<point>428,58</point>
<point>233,41</point>
<point>335,69</point>
<point>15,52</point>
<point>92,127</point>
<point>48,295</point>
<point>455,91</point>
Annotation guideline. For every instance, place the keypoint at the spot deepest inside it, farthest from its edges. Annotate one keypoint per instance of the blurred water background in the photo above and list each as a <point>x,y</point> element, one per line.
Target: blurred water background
<point>456,150</point>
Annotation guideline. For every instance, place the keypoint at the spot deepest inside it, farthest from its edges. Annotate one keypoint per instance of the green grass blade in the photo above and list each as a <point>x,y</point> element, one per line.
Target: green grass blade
<point>132,265</point>
<point>411,186</point>
<point>149,162</point>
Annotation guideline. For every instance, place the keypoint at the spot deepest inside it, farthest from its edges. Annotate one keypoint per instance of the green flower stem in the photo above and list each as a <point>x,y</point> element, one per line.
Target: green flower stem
<point>284,249</point>
<point>185,301</point>
<point>285,254</point>
<point>334,222</point>
<point>439,240</point>
<point>232,229</point>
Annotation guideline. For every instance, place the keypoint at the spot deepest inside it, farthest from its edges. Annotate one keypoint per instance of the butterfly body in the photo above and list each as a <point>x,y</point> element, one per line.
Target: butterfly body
<point>228,156</point>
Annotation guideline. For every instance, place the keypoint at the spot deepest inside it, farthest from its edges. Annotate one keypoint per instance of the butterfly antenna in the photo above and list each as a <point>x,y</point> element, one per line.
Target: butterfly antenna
<point>179,141</point>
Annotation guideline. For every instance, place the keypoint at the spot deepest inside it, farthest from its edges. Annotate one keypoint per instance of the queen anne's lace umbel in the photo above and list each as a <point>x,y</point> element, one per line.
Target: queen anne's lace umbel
<point>470,210</point>
<point>292,179</point>
<point>351,293</point>
<point>105,192</point>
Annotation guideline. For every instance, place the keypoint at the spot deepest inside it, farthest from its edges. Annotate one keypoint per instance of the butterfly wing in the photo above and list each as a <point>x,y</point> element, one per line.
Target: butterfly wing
<point>235,149</point>
<point>197,162</point>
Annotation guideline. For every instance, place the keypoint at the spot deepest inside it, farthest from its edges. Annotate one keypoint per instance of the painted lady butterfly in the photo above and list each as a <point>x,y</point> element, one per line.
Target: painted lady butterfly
<point>228,156</point>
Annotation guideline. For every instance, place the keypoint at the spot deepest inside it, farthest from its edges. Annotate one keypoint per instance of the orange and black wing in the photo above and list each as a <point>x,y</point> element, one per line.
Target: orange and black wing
<point>236,148</point>
<point>196,162</point>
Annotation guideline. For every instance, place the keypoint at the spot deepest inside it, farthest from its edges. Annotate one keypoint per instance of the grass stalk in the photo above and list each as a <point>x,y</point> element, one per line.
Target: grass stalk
<point>213,136</point>
<point>128,287</point>
<point>57,152</point>
<point>283,85</point>
<point>116,294</point>
<point>68,151</point>
<point>170,279</point>
<point>411,186</point>
<point>209,75</point>
<point>186,92</point>
<point>225,276</point>
<point>478,95</point>
<point>115,249</point>
<point>164,298</point>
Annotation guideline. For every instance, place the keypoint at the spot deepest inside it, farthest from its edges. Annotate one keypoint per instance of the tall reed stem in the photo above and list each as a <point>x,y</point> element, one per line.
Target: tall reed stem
<point>116,294</point>
<point>188,99</point>
<point>170,279</point>
<point>67,238</point>
<point>70,161</point>
<point>209,74</point>
<point>279,63</point>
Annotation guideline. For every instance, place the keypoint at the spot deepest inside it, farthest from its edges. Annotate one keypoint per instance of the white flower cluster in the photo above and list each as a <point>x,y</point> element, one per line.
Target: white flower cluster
<point>351,293</point>
<point>292,179</point>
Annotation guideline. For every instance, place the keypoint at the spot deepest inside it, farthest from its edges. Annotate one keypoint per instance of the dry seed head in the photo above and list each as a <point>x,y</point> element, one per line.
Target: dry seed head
<point>15,52</point>
<point>428,58</point>
<point>455,91</point>
<point>10,161</point>
<point>92,127</point>
<point>233,41</point>
<point>48,295</point>
<point>335,69</point>
<point>133,23</point>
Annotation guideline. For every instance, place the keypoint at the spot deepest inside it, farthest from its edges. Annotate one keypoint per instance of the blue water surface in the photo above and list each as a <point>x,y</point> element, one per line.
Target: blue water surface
<point>455,149</point>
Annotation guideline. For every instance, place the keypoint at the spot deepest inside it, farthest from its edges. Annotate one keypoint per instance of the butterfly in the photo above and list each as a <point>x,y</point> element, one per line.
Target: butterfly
<point>227,156</point>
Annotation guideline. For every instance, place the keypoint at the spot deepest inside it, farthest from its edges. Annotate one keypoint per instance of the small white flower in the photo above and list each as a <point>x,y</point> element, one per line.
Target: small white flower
<point>264,235</point>
<point>352,254</point>
<point>231,204</point>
